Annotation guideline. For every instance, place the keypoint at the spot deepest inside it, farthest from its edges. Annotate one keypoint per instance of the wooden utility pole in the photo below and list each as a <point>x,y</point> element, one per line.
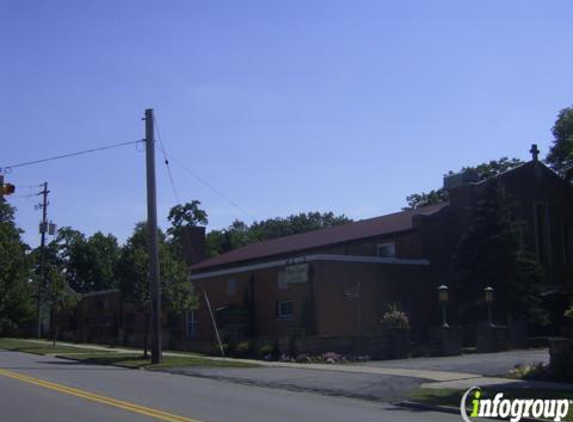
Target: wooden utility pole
<point>42,280</point>
<point>154,283</point>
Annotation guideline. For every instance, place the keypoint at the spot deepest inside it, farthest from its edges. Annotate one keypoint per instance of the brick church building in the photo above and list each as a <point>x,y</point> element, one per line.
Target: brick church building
<point>339,281</point>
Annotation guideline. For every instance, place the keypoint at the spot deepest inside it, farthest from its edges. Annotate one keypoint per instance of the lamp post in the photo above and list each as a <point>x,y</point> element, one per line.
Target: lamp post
<point>443,298</point>
<point>488,291</point>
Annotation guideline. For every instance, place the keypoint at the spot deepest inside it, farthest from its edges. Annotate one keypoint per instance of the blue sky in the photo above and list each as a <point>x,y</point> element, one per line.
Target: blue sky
<point>283,106</point>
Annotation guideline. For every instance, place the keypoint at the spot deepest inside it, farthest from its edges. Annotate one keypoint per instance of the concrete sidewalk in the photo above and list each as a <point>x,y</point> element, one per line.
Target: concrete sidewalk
<point>346,368</point>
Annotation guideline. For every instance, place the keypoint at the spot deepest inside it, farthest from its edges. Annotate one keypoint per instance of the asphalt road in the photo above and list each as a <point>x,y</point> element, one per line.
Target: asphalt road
<point>44,389</point>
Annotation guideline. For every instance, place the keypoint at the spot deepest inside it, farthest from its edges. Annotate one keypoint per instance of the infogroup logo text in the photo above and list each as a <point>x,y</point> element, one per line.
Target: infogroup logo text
<point>512,409</point>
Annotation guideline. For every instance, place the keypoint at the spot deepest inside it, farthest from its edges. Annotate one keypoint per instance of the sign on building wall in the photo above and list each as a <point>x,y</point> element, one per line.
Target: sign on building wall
<point>297,273</point>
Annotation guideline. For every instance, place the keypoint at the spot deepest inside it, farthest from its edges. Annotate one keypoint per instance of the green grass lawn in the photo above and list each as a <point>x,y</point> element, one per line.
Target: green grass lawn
<point>452,397</point>
<point>44,348</point>
<point>136,360</point>
<point>110,357</point>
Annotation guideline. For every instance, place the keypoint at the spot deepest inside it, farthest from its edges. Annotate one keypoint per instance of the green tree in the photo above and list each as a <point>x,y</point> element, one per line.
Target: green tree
<point>294,224</point>
<point>70,253</point>
<point>133,274</point>
<point>560,156</point>
<point>240,234</point>
<point>88,264</point>
<point>42,277</point>
<point>493,167</point>
<point>16,291</point>
<point>491,253</point>
<point>483,171</point>
<point>418,200</point>
<point>102,253</point>
<point>188,214</point>
<point>60,298</point>
<point>233,237</point>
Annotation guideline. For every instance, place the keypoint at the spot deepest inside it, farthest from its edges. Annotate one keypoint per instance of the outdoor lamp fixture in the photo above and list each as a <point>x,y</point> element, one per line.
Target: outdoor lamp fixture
<point>443,298</point>
<point>488,291</point>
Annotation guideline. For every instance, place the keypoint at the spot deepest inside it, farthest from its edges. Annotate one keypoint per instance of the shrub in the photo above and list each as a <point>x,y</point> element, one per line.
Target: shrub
<point>216,350</point>
<point>395,318</point>
<point>266,350</point>
<point>569,312</point>
<point>538,371</point>
<point>243,348</point>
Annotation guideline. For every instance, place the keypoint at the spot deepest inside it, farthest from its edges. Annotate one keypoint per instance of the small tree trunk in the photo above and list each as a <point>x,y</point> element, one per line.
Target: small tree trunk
<point>53,324</point>
<point>145,334</point>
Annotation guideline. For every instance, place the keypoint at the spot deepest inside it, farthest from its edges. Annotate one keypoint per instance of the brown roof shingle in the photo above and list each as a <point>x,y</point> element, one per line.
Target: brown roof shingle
<point>362,229</point>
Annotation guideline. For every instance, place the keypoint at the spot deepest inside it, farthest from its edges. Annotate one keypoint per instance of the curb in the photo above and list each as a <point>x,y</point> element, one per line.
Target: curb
<point>427,406</point>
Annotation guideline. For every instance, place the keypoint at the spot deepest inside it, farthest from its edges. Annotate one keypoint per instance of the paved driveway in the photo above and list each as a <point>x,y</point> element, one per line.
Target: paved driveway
<point>365,380</point>
<point>486,364</point>
<point>386,388</point>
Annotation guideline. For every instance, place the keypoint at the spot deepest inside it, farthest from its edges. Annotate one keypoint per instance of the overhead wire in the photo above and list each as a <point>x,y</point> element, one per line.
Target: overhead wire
<point>166,161</point>
<point>167,157</point>
<point>8,169</point>
<point>21,196</point>
<point>212,188</point>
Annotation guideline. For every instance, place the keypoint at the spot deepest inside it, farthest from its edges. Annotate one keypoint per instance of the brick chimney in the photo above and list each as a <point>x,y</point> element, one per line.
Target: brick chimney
<point>194,246</point>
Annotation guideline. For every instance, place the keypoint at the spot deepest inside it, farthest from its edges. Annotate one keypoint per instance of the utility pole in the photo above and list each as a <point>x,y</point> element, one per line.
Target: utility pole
<point>154,283</point>
<point>1,189</point>
<point>43,230</point>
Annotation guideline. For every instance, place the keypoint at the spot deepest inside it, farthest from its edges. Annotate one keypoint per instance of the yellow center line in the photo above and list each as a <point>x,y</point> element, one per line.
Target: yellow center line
<point>132,407</point>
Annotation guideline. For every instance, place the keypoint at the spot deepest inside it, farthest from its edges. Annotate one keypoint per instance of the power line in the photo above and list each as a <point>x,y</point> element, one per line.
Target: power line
<point>22,196</point>
<point>8,169</point>
<point>29,186</point>
<point>167,157</point>
<point>204,182</point>
<point>175,194</point>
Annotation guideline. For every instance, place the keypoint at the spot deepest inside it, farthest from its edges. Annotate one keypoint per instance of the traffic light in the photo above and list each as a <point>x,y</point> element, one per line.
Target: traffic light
<point>8,189</point>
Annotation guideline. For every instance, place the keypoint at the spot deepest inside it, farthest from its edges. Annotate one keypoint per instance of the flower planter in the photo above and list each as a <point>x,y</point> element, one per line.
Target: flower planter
<point>399,343</point>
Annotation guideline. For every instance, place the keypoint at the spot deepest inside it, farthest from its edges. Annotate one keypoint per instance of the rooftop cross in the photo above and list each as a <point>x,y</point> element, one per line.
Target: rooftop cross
<point>534,152</point>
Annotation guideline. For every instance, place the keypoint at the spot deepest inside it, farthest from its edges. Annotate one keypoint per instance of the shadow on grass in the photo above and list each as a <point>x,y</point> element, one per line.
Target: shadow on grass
<point>126,361</point>
<point>442,397</point>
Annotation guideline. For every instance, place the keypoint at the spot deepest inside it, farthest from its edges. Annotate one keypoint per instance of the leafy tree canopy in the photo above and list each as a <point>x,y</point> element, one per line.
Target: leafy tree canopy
<point>484,171</point>
<point>133,273</point>
<point>88,263</point>
<point>560,156</point>
<point>240,234</point>
<point>188,214</point>
<point>16,291</point>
